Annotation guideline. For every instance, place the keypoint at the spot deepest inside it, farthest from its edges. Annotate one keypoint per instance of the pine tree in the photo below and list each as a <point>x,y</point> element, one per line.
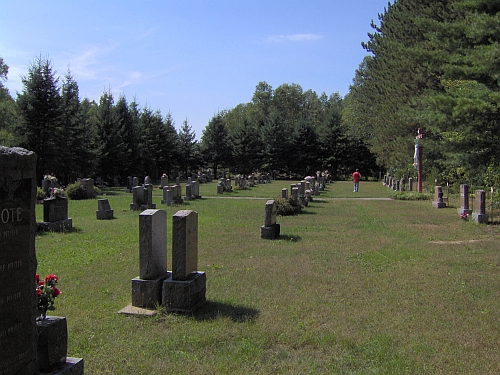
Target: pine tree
<point>40,107</point>
<point>214,145</point>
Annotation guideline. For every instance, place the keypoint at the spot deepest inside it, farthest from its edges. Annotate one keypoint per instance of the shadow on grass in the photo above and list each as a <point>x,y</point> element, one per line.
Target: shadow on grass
<point>287,237</point>
<point>305,211</point>
<point>213,310</point>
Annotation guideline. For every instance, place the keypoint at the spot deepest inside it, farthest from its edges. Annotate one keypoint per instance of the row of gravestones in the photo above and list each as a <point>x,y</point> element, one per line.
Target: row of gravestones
<point>302,191</point>
<point>142,196</point>
<point>305,190</point>
<point>398,185</point>
<point>27,346</point>
<point>478,216</point>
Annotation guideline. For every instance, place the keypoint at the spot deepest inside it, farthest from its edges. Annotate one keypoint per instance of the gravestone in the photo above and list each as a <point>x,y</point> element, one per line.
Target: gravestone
<point>270,230</point>
<point>104,211</point>
<point>479,216</point>
<point>88,186</point>
<point>17,261</point>
<point>195,189</point>
<point>147,287</point>
<point>410,183</point>
<point>177,194</point>
<point>135,182</point>
<point>284,193</point>
<point>18,328</point>
<point>464,200</point>
<point>221,186</point>
<point>189,194</point>
<point>438,198</point>
<point>129,184</point>
<point>55,215</point>
<point>164,181</point>
<point>142,198</point>
<point>167,196</point>
<point>185,290</point>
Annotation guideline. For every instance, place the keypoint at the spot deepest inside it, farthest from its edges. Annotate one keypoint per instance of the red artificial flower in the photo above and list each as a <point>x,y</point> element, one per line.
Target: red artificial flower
<point>51,277</point>
<point>38,292</point>
<point>37,278</point>
<point>55,292</point>
<point>40,283</point>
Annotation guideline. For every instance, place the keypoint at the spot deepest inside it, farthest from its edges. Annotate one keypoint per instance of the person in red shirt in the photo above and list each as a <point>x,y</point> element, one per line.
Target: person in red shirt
<point>356,176</point>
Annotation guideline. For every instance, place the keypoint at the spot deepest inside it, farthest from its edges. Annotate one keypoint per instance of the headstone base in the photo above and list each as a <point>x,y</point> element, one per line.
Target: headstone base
<point>462,211</point>
<point>148,293</point>
<point>73,366</point>
<point>185,296</point>
<point>104,215</point>
<point>52,344</point>
<point>168,203</point>
<point>55,226</point>
<point>480,218</point>
<point>270,233</point>
<point>438,204</point>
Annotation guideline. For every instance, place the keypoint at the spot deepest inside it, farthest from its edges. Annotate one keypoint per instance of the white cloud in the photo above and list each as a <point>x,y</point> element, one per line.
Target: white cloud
<point>293,38</point>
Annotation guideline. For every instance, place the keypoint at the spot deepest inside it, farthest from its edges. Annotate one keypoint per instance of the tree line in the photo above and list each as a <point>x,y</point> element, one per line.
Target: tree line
<point>286,130</point>
<point>432,65</point>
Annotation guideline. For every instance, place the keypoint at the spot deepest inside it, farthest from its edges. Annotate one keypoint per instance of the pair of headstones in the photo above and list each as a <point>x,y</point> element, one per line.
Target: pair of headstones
<point>142,198</point>
<point>181,290</point>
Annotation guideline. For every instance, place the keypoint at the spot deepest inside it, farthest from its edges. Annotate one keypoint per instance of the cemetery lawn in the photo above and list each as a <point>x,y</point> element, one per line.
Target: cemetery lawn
<point>351,287</point>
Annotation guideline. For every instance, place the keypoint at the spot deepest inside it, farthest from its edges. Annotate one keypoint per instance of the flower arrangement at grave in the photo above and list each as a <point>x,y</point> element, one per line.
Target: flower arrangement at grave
<point>46,293</point>
<point>464,216</point>
<point>51,178</point>
<point>56,192</point>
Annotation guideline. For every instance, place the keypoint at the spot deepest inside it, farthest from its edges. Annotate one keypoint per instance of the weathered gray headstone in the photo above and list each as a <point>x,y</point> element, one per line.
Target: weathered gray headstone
<point>284,193</point>
<point>438,198</point>
<point>270,230</point>
<point>464,200</point>
<point>185,290</point>
<point>55,215</point>
<point>152,244</point>
<point>104,211</point>
<point>184,244</point>
<point>164,181</point>
<point>147,288</point>
<point>17,261</point>
<point>479,216</point>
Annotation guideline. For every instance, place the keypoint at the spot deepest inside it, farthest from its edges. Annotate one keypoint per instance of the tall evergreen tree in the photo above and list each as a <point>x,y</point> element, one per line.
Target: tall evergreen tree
<point>112,149</point>
<point>40,108</point>
<point>214,143</point>
<point>247,147</point>
<point>187,147</point>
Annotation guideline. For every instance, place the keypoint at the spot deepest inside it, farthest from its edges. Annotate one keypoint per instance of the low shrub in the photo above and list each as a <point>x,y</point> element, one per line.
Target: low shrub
<point>76,191</point>
<point>411,196</point>
<point>287,207</point>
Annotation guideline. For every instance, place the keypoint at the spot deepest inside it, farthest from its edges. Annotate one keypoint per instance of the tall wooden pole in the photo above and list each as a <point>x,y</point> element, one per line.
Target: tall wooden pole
<point>420,135</point>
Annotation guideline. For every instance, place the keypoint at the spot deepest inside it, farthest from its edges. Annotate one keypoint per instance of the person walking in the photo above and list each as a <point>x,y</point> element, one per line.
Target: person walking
<point>356,176</point>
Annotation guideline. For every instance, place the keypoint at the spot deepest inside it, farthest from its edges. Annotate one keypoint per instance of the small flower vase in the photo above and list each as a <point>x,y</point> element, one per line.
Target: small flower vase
<point>52,344</point>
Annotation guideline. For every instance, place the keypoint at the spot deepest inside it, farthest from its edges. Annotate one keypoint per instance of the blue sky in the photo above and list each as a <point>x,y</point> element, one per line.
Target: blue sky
<point>191,58</point>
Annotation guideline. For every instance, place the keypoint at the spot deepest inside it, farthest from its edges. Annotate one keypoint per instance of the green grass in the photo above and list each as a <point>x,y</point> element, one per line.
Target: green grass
<point>351,287</point>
